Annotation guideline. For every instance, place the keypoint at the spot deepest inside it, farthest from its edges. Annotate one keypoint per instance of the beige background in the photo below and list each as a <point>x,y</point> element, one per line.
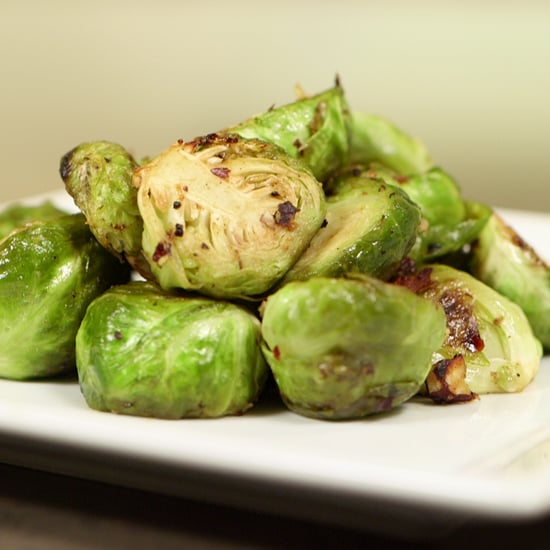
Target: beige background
<point>471,79</point>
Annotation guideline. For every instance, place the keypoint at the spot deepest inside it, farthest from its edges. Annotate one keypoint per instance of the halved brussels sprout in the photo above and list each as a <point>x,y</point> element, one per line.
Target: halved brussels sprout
<point>370,227</point>
<point>314,129</point>
<point>347,348</point>
<point>226,216</point>
<point>49,272</point>
<point>19,214</point>
<point>375,139</point>
<point>504,261</point>
<point>145,352</point>
<point>98,175</point>
<point>487,330</point>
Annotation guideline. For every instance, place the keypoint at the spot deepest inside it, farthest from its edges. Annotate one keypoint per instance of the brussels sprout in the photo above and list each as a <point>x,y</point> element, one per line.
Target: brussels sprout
<point>346,348</point>
<point>314,129</point>
<point>370,227</point>
<point>375,139</point>
<point>226,216</point>
<point>49,272</point>
<point>449,223</point>
<point>98,175</point>
<point>17,215</point>
<point>145,352</point>
<point>487,330</point>
<point>438,241</point>
<point>504,261</point>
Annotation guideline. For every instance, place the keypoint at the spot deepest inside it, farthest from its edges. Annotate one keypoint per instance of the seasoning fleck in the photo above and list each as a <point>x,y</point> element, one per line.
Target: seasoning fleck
<point>162,249</point>
<point>221,172</point>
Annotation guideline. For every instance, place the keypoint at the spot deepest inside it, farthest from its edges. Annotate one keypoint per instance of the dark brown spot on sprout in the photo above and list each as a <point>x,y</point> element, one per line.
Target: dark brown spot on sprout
<point>162,249</point>
<point>65,165</point>
<point>285,214</point>
<point>461,321</point>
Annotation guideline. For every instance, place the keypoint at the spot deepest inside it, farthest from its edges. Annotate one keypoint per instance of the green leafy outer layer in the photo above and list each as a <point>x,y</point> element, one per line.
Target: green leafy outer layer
<point>49,272</point>
<point>313,129</point>
<point>376,139</point>
<point>145,352</point>
<point>346,348</point>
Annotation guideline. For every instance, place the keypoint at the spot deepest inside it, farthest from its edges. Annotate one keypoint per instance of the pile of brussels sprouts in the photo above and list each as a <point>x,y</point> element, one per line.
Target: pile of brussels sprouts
<point>312,248</point>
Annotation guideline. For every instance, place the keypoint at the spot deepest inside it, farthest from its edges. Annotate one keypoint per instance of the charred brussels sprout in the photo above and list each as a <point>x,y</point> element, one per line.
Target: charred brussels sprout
<point>226,216</point>
<point>370,227</point>
<point>375,139</point>
<point>489,332</point>
<point>347,348</point>
<point>145,352</point>
<point>313,129</point>
<point>504,261</point>
<point>49,272</point>
<point>98,175</point>
<point>17,215</point>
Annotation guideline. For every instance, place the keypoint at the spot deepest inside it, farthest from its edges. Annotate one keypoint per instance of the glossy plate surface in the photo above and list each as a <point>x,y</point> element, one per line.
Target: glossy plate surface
<point>487,458</point>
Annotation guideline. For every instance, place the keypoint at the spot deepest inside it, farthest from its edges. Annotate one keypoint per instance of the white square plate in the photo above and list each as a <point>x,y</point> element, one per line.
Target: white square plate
<point>440,465</point>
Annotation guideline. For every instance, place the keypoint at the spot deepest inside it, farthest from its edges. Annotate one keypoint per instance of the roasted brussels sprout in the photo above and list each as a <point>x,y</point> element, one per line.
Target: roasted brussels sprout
<point>19,214</point>
<point>439,241</point>
<point>49,272</point>
<point>449,222</point>
<point>226,216</point>
<point>98,175</point>
<point>346,348</point>
<point>489,332</point>
<point>376,139</point>
<point>505,262</point>
<point>314,129</point>
<point>145,352</point>
<point>370,227</point>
